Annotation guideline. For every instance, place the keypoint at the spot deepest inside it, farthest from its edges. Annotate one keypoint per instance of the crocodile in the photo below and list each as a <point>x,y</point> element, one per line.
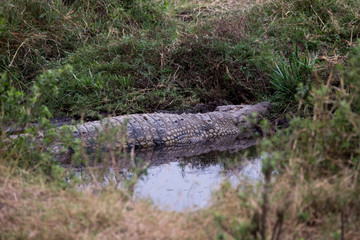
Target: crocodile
<point>165,129</point>
<point>162,155</point>
<point>158,156</point>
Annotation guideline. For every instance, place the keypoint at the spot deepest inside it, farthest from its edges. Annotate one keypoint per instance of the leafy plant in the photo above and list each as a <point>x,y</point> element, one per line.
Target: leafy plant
<point>292,80</point>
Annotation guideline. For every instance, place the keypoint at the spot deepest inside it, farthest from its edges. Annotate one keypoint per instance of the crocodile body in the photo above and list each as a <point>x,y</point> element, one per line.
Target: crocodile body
<point>163,129</point>
<point>177,153</point>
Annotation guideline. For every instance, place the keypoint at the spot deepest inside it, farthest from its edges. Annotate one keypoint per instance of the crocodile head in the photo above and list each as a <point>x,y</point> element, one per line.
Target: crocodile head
<point>240,113</point>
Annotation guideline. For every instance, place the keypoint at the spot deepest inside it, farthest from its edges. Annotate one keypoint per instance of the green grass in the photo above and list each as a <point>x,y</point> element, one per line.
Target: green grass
<point>142,56</point>
<point>324,27</point>
<point>292,81</point>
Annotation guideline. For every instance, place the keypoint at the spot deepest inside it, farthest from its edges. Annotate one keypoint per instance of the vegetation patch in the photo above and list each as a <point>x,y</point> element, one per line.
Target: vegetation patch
<point>88,58</point>
<point>142,56</point>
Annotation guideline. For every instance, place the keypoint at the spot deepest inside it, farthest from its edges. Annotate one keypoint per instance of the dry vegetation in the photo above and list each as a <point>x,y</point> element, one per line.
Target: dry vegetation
<point>36,211</point>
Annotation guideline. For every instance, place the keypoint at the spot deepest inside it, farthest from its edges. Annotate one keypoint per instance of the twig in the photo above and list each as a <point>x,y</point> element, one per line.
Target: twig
<point>278,226</point>
<point>264,212</point>
<point>12,60</point>
<point>342,225</point>
<point>265,203</point>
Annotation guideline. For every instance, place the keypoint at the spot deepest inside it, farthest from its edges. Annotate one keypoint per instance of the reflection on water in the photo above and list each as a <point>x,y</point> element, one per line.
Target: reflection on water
<point>184,177</point>
<point>175,187</point>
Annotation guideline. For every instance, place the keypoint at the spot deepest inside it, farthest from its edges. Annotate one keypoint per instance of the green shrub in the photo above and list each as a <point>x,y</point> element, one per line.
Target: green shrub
<point>292,81</point>
<point>311,172</point>
<point>19,146</point>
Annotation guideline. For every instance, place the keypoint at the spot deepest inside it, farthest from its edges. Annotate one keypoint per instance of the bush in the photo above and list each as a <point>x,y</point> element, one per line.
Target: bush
<point>311,173</point>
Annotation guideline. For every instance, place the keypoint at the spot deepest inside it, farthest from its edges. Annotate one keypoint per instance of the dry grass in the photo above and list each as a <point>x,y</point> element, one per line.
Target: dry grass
<point>300,210</point>
<point>297,209</point>
<point>219,5</point>
<point>197,11</point>
<point>34,211</point>
<point>37,211</point>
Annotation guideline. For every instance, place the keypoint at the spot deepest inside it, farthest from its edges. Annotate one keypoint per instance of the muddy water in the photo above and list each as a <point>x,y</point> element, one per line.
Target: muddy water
<point>180,178</point>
